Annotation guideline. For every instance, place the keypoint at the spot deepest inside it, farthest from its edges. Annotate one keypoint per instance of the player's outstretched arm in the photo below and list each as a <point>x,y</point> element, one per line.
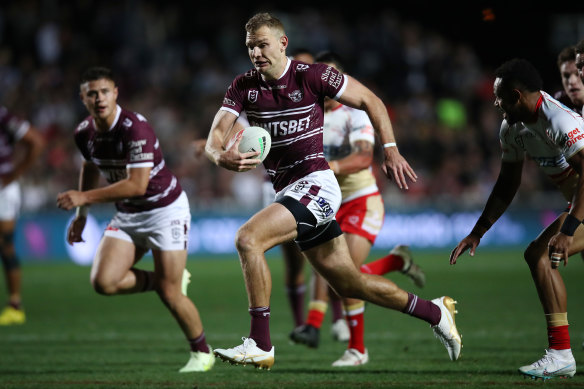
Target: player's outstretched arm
<point>395,166</point>
<point>229,158</point>
<point>501,196</point>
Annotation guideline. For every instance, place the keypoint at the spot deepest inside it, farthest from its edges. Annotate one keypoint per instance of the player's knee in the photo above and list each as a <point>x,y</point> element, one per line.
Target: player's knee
<point>103,286</point>
<point>246,241</point>
<point>169,296</point>
<point>532,254</point>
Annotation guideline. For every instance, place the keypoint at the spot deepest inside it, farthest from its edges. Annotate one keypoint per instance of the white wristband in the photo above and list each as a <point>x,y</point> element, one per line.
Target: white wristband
<point>390,144</point>
<point>82,211</point>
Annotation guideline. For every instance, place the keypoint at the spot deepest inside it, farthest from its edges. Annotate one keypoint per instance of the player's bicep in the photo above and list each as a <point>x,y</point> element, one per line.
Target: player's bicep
<point>355,95</point>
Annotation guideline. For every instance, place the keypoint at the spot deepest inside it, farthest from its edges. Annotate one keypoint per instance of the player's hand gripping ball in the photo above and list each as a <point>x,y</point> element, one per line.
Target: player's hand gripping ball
<point>253,139</point>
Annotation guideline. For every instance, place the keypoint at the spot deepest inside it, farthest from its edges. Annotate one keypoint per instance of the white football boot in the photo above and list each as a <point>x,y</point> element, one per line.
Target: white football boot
<point>199,361</point>
<point>352,357</point>
<point>446,329</point>
<point>553,364</point>
<point>247,353</point>
<point>186,280</point>
<point>340,331</point>
<point>410,269</point>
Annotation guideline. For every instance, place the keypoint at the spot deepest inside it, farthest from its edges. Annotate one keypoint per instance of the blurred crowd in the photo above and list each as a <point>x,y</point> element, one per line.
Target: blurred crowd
<point>174,63</point>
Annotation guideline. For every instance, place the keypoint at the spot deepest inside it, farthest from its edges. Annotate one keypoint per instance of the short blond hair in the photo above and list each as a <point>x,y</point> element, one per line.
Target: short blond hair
<point>264,19</point>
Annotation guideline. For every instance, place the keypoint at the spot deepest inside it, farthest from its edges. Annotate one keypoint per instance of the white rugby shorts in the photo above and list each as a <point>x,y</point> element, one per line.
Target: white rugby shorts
<point>319,192</point>
<point>10,201</point>
<point>165,229</point>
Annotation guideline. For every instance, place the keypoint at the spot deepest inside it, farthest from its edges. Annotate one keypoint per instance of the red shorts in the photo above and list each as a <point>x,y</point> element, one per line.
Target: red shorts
<point>363,216</point>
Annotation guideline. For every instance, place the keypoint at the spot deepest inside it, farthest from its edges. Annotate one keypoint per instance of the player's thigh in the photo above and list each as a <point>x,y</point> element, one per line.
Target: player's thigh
<point>169,266</point>
<point>114,258</point>
<point>269,227</point>
<point>359,248</point>
<point>333,261</point>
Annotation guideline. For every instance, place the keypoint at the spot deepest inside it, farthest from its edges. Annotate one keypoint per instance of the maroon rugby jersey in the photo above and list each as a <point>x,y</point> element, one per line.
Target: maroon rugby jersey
<point>12,129</point>
<point>130,142</point>
<point>291,109</point>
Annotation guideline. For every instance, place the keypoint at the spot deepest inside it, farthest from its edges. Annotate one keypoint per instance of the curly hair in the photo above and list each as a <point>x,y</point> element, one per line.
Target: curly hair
<point>521,74</point>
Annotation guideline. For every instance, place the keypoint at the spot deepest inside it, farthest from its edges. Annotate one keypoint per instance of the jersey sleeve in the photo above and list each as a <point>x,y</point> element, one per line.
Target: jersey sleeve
<point>233,99</point>
<point>511,151</point>
<point>81,139</point>
<point>361,127</point>
<point>14,126</point>
<point>140,143</point>
<point>568,134</point>
<point>326,80</point>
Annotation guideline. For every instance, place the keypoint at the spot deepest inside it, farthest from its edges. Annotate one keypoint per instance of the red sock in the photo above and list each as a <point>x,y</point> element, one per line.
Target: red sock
<point>559,337</point>
<point>381,266</point>
<point>355,320</point>
<point>316,311</point>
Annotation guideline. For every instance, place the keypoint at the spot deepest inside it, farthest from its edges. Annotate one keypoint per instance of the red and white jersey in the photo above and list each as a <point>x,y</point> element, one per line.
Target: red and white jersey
<point>556,135</point>
<point>12,129</point>
<point>291,109</point>
<point>343,126</point>
<point>129,143</point>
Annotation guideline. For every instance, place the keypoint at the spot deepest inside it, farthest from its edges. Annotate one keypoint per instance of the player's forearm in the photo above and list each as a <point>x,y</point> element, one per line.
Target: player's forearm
<point>217,136</point>
<point>117,191</point>
<point>501,197</point>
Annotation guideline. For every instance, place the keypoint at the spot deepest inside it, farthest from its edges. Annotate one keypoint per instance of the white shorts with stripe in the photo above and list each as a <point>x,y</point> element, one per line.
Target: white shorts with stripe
<point>165,229</point>
<point>10,201</point>
<point>319,192</point>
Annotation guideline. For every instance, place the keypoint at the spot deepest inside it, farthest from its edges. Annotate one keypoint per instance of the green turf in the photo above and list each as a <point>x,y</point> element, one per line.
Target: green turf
<point>76,339</point>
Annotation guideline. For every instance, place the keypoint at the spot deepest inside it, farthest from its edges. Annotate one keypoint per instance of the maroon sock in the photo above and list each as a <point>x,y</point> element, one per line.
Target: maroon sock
<point>296,299</point>
<point>336,308</point>
<point>260,327</point>
<point>15,305</point>
<point>147,278</point>
<point>199,344</point>
<point>423,309</point>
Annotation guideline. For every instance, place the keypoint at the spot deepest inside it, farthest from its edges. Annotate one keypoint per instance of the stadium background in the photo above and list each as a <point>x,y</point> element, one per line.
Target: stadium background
<point>430,63</point>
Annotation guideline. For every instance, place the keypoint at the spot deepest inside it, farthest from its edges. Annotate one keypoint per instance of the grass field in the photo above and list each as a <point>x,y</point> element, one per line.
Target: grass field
<point>74,338</point>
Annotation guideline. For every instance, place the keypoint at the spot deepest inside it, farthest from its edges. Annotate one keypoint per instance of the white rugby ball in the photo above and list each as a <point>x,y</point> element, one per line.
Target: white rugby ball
<point>253,139</point>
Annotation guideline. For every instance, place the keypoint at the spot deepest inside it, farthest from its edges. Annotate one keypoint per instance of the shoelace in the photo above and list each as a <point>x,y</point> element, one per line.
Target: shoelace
<point>243,348</point>
<point>545,359</point>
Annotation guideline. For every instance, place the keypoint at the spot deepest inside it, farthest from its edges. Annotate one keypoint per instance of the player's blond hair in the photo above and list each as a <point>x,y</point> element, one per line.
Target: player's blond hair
<point>264,19</point>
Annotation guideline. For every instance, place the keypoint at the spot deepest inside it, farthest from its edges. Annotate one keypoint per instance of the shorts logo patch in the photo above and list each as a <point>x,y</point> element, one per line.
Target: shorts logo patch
<point>300,186</point>
<point>176,233</point>
<point>325,206</point>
